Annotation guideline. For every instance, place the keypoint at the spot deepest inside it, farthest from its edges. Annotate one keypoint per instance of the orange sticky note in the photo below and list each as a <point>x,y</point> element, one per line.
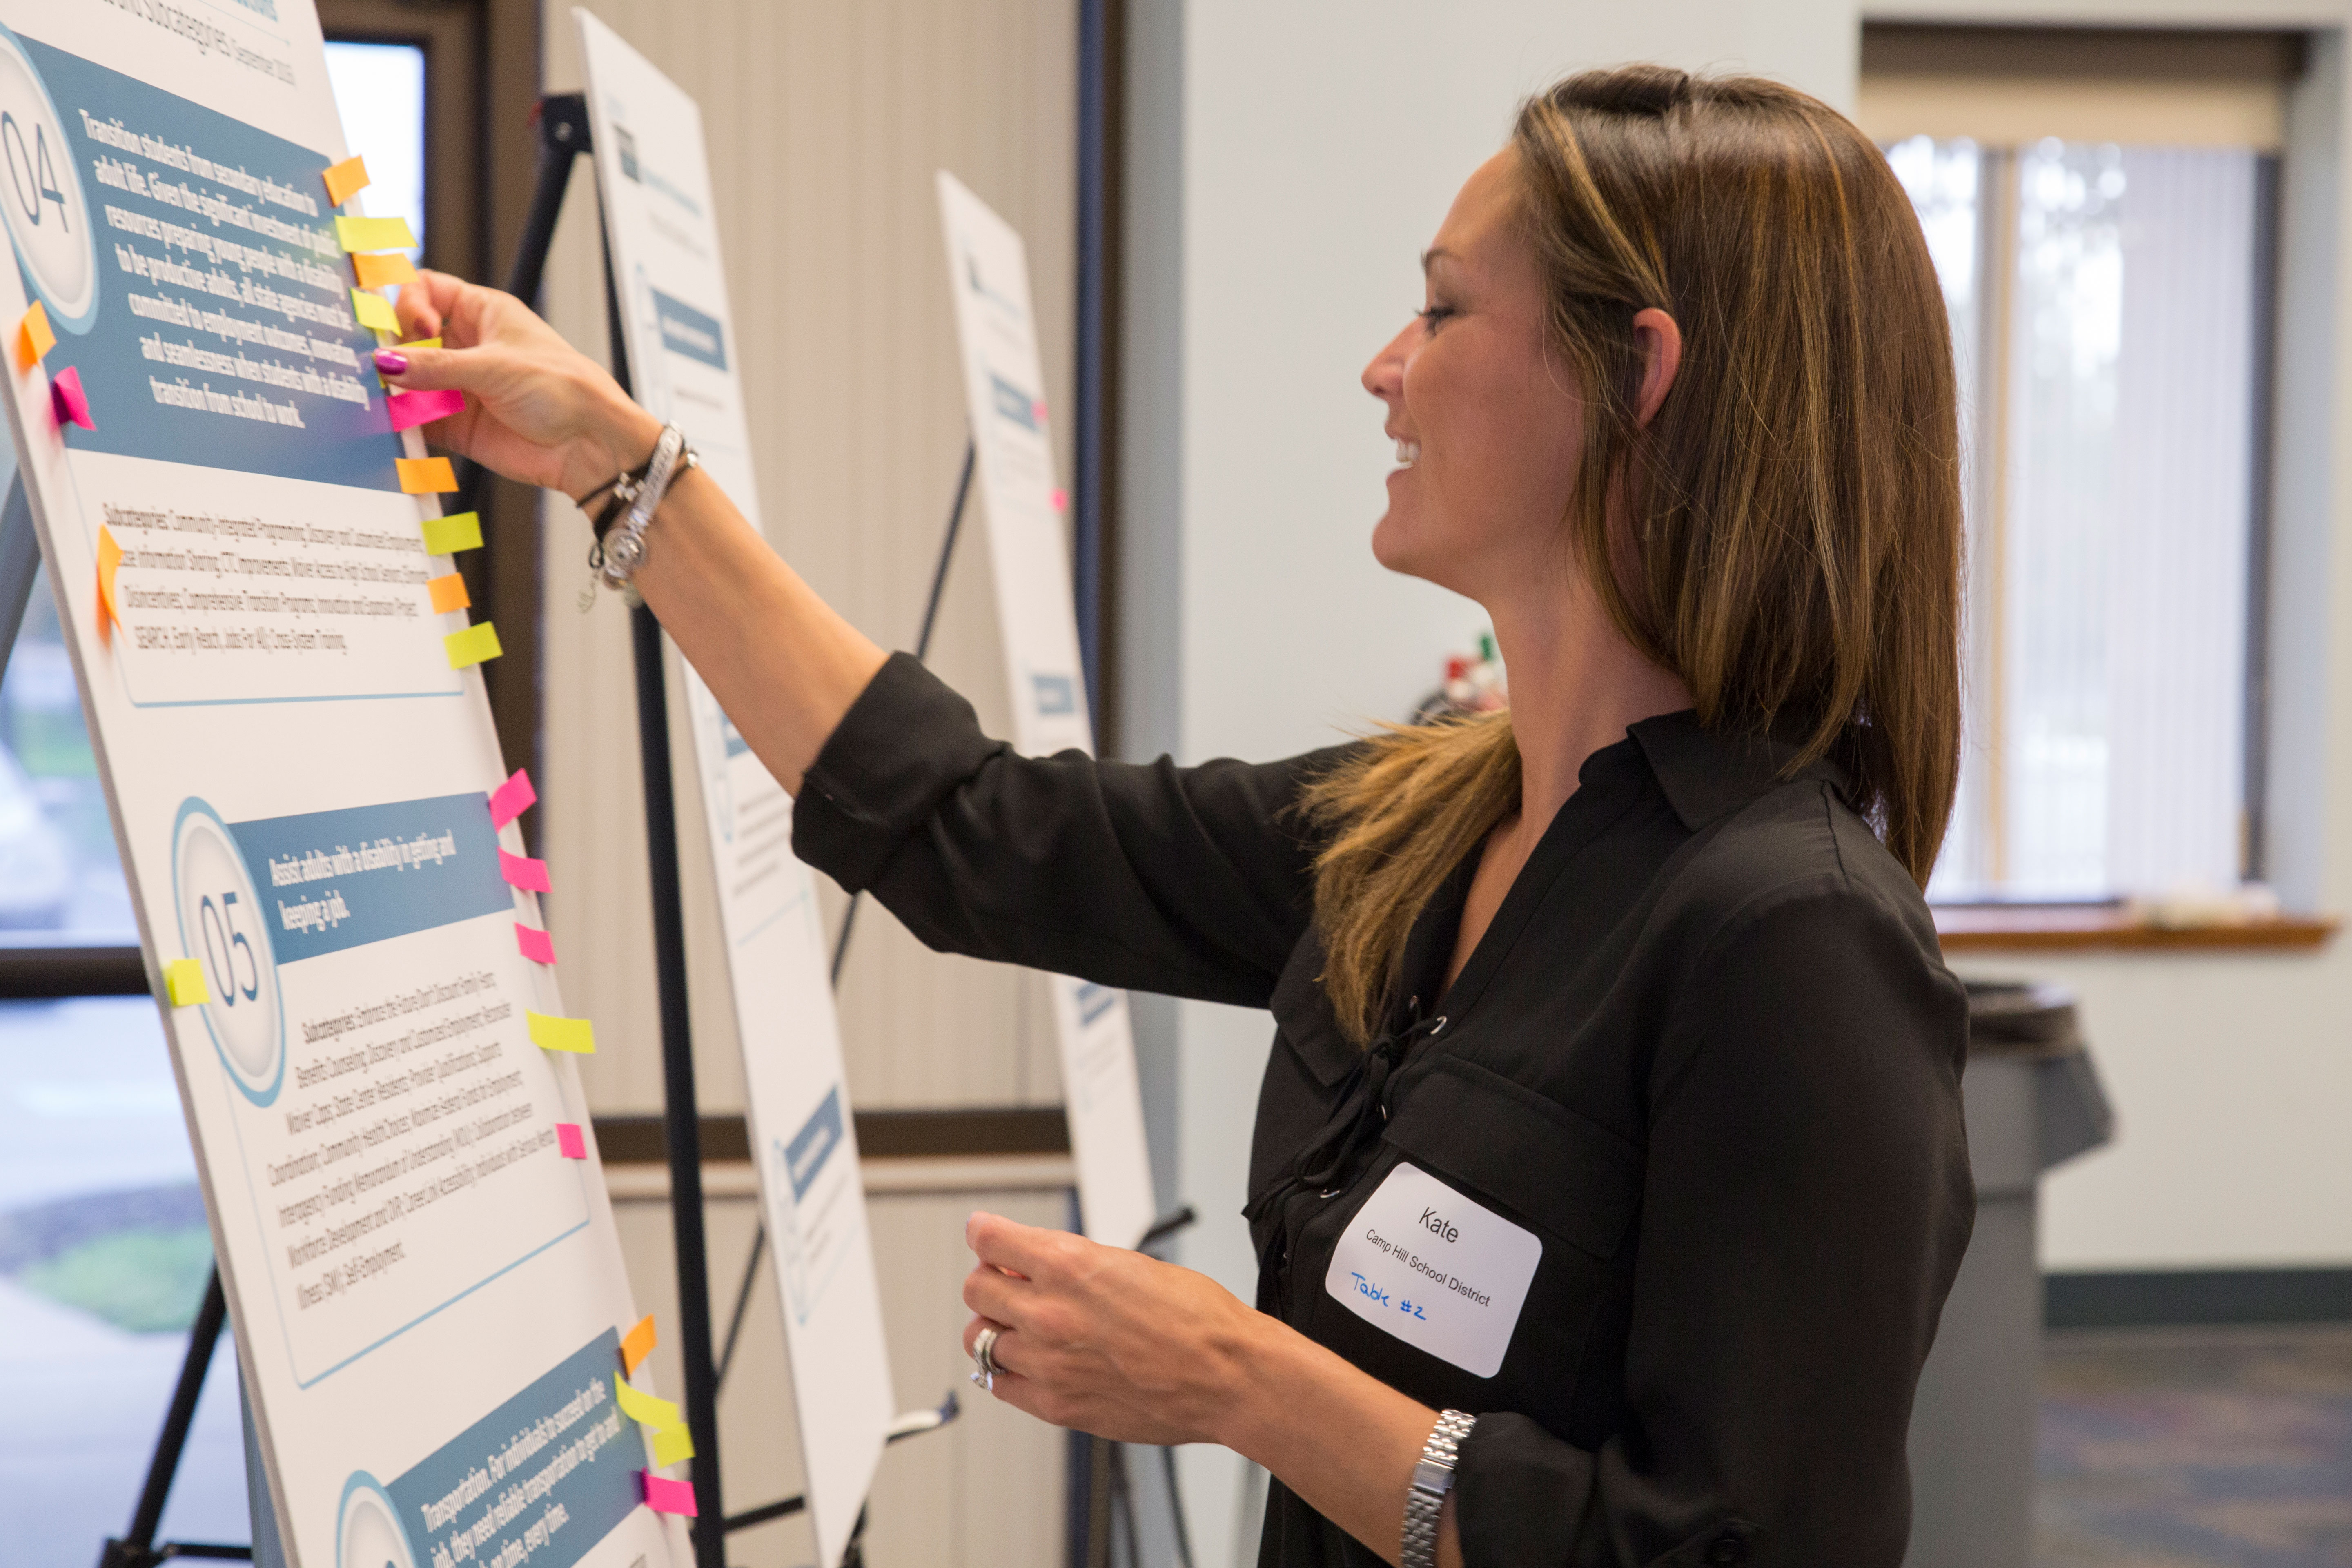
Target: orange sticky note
<point>375,271</point>
<point>426,476</point>
<point>638,1344</point>
<point>109,557</point>
<point>34,338</point>
<point>448,593</point>
<point>346,179</point>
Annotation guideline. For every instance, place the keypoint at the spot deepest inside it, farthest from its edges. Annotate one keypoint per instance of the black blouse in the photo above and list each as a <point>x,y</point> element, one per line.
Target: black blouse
<point>1707,1052</point>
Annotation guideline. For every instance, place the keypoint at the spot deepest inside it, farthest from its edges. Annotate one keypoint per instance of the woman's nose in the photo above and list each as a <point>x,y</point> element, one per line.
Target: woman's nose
<point>1385,377</point>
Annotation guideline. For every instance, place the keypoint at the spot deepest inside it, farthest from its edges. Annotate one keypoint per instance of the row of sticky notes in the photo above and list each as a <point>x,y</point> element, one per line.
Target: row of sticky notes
<point>68,403</point>
<point>672,1441</point>
<point>367,240</point>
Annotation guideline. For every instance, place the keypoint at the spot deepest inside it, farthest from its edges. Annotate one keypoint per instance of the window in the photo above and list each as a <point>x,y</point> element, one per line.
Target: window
<point>2110,300</point>
<point>380,92</point>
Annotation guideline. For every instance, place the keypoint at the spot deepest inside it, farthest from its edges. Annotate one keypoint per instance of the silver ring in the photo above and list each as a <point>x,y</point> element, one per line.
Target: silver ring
<point>984,1359</point>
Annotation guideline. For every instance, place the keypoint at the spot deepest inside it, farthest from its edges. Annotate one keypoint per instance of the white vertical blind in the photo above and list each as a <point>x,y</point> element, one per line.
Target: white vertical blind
<point>2177,633</point>
<point>2107,631</point>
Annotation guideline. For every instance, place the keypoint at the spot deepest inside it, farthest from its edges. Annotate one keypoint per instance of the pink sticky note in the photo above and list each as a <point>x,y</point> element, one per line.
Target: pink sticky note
<point>68,401</point>
<point>511,799</point>
<point>1060,497</point>
<point>569,1141</point>
<point>523,871</point>
<point>410,409</point>
<point>1038,407</point>
<point>666,1496</point>
<point>536,945</point>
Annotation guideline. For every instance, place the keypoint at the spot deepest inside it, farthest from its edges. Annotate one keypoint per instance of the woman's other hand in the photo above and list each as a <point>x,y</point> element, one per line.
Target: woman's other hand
<point>538,409</point>
<point>1106,1341</point>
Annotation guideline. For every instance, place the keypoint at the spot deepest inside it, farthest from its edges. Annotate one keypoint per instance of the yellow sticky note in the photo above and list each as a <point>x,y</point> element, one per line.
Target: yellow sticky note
<point>550,1033</point>
<point>373,234</point>
<point>473,646</point>
<point>422,343</point>
<point>448,592</point>
<point>644,1408</point>
<point>637,1343</point>
<point>375,271</point>
<point>34,338</point>
<point>426,476</point>
<point>374,312</point>
<point>672,1444</point>
<point>110,558</point>
<point>346,179</point>
<point>183,982</point>
<point>447,535</point>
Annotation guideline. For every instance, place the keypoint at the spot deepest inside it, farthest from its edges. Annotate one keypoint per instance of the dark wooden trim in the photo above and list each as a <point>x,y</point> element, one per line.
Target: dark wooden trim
<point>511,82</point>
<point>2010,928</point>
<point>2030,49</point>
<point>2144,1298</point>
<point>881,1134</point>
<point>47,972</point>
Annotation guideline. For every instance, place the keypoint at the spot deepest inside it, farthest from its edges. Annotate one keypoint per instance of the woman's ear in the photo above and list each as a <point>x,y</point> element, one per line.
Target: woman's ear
<point>1661,341</point>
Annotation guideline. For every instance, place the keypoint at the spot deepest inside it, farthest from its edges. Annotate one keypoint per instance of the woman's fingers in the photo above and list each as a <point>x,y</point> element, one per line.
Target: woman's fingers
<point>998,1296</point>
<point>1023,1249</point>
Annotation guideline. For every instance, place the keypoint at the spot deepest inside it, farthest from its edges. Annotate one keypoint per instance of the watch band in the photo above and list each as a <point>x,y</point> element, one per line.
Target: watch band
<point>1432,1479</point>
<point>620,546</point>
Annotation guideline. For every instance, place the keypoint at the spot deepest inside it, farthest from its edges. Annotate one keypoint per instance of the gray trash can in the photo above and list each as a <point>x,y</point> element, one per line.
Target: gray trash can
<point>2033,1100</point>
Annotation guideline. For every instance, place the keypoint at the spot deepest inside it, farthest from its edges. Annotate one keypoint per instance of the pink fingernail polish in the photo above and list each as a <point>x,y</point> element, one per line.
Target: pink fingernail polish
<point>391,361</point>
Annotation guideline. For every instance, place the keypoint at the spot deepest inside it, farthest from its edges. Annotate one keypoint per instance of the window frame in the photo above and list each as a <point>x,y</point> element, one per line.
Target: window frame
<point>2017,68</point>
<point>481,86</point>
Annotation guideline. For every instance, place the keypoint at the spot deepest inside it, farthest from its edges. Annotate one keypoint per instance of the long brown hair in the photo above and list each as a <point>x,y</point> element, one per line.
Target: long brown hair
<point>1784,534</point>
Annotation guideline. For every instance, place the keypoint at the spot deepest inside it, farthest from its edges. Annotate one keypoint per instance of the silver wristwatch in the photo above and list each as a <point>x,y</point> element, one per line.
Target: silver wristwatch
<point>1432,1479</point>
<point>623,550</point>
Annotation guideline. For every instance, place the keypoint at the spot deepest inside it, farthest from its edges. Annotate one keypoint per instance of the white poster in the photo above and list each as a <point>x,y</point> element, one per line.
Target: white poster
<point>664,243</point>
<point>988,269</point>
<point>427,1293</point>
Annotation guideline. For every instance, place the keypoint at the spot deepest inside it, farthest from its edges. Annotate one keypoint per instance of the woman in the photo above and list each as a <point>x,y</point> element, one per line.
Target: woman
<point>1627,995</point>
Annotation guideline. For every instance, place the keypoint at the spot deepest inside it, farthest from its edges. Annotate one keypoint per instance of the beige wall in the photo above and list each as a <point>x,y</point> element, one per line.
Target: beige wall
<point>825,124</point>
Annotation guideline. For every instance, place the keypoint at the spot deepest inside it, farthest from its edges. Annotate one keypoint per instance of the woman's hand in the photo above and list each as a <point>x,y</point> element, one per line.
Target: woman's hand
<point>1108,1341</point>
<point>539,410</point>
<point>1114,1343</point>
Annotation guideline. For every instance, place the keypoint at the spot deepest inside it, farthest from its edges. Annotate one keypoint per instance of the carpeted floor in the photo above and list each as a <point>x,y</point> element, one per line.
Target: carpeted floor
<point>2197,1449</point>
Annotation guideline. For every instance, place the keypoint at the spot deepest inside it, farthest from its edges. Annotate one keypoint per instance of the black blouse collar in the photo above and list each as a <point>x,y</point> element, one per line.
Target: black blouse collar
<point>1707,774</point>
<point>1703,776</point>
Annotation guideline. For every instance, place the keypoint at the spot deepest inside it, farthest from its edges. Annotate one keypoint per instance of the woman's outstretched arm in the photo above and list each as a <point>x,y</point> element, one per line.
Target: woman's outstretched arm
<point>783,663</point>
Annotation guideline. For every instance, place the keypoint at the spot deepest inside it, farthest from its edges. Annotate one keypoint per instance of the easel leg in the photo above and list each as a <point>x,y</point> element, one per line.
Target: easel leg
<point>136,1548</point>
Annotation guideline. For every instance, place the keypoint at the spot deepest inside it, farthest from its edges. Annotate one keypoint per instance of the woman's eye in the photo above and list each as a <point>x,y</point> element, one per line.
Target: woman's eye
<point>1433,315</point>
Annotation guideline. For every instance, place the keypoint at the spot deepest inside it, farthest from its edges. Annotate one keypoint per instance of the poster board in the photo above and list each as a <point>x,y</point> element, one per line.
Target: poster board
<point>662,237</point>
<point>988,271</point>
<point>427,1295</point>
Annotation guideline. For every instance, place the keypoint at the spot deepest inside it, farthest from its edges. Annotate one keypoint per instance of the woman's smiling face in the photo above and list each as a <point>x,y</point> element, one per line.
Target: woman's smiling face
<point>1489,433</point>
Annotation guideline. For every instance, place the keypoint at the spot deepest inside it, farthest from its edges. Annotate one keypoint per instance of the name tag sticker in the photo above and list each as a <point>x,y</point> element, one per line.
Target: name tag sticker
<point>1441,1273</point>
